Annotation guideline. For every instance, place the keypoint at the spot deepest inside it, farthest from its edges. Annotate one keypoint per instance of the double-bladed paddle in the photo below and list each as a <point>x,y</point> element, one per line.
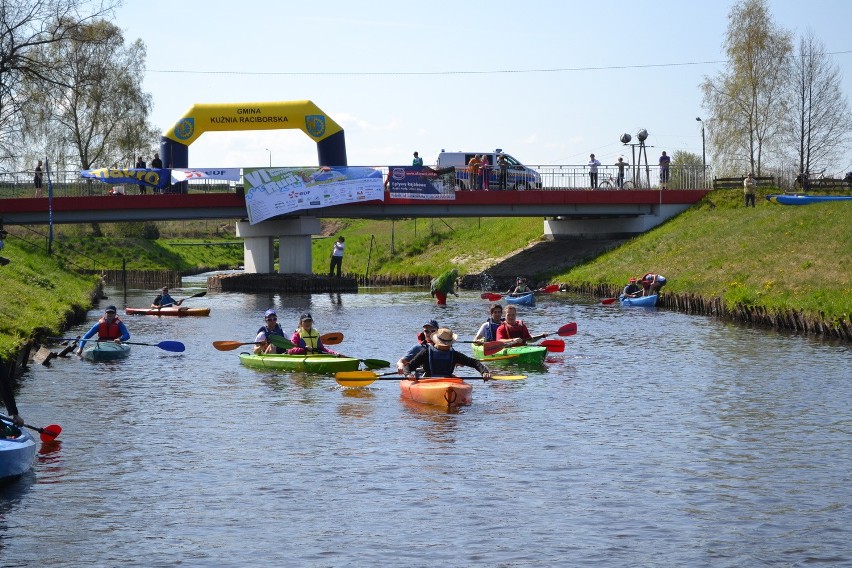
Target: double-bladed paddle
<point>173,346</point>
<point>47,434</point>
<point>492,347</point>
<point>364,378</point>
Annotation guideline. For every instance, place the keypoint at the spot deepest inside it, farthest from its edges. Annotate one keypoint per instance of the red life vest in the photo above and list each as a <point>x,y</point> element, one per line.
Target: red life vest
<point>109,330</point>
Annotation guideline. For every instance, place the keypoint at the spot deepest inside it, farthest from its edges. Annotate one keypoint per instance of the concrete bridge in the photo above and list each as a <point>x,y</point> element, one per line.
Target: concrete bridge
<point>566,213</point>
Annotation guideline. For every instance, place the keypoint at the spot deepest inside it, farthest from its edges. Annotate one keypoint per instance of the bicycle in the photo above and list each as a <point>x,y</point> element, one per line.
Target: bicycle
<point>612,183</point>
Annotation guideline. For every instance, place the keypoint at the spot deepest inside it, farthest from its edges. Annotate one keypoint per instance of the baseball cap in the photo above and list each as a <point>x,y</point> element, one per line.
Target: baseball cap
<point>270,313</point>
<point>431,323</point>
<point>305,316</point>
<point>111,309</point>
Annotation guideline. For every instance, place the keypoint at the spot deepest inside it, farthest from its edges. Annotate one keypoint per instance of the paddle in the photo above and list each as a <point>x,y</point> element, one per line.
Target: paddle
<point>492,347</point>
<point>231,345</point>
<point>608,301</point>
<point>553,345</point>
<point>47,434</point>
<point>332,338</point>
<point>490,296</point>
<point>198,295</point>
<point>548,289</point>
<point>173,346</point>
<point>364,378</point>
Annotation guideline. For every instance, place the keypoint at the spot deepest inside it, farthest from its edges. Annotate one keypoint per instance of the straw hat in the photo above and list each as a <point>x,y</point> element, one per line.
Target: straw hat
<point>444,336</point>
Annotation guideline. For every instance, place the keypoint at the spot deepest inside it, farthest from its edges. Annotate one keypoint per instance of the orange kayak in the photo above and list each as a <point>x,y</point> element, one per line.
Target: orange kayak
<point>446,392</point>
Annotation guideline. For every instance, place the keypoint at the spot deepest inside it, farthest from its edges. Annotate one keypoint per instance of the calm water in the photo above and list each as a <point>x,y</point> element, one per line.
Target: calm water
<point>655,439</point>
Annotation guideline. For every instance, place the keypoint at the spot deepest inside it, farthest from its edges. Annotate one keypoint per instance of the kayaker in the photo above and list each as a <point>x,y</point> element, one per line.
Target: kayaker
<point>440,359</point>
<point>307,339</point>
<point>632,290</point>
<point>8,393</point>
<point>442,285</point>
<point>513,331</point>
<point>520,288</point>
<point>488,330</point>
<point>270,327</point>
<point>424,339</point>
<point>109,327</point>
<point>652,283</point>
<point>163,300</point>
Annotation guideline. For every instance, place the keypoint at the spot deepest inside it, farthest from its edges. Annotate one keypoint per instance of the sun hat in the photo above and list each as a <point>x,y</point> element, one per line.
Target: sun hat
<point>431,323</point>
<point>270,313</point>
<point>111,309</point>
<point>305,316</point>
<point>444,336</point>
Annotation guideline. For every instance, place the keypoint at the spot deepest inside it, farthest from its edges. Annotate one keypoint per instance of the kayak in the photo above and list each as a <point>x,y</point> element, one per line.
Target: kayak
<point>524,300</point>
<point>446,392</point>
<point>806,199</point>
<point>16,455</point>
<point>320,363</point>
<point>642,301</point>
<point>523,354</point>
<point>170,311</point>
<point>105,351</point>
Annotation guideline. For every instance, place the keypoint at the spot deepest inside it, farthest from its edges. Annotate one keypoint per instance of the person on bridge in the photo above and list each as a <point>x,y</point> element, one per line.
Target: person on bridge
<point>37,180</point>
<point>632,290</point>
<point>164,300</point>
<point>473,173</point>
<point>270,327</point>
<point>417,161</point>
<point>108,328</point>
<point>665,163</point>
<point>307,339</point>
<point>593,171</point>
<point>140,164</point>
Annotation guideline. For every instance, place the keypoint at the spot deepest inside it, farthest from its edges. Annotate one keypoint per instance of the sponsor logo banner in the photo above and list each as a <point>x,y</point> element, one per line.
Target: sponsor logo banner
<point>183,174</point>
<point>413,182</point>
<point>158,178</point>
<point>277,191</point>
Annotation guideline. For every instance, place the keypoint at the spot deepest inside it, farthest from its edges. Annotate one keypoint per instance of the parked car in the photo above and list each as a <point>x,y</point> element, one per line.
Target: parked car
<point>518,176</point>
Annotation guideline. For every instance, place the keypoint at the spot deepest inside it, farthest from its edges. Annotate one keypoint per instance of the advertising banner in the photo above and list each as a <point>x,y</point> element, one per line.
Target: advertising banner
<point>417,182</point>
<point>276,191</point>
<point>151,177</point>
<point>184,174</point>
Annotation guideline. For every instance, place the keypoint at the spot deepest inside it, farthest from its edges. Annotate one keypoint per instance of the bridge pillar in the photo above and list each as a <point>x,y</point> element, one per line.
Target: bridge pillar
<point>294,245</point>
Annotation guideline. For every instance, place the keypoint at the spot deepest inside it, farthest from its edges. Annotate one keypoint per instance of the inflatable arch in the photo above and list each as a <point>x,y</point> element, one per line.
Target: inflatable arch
<point>305,115</point>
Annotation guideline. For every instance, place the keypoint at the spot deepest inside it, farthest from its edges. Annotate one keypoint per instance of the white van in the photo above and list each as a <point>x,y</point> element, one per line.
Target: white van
<point>518,177</point>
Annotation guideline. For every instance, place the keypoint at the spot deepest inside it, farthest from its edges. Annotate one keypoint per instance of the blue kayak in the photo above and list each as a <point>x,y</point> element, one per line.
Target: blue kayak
<point>799,199</point>
<point>642,301</point>
<point>16,455</point>
<point>523,300</point>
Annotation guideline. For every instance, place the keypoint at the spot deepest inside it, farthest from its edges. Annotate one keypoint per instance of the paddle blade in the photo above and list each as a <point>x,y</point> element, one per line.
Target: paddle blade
<point>568,329</point>
<point>550,289</point>
<point>229,345</point>
<point>375,363</point>
<point>553,345</point>
<point>332,338</point>
<point>173,346</point>
<point>49,433</point>
<point>355,378</point>
<point>199,295</point>
<point>492,347</point>
<point>608,301</point>
<point>281,342</point>
<point>506,377</point>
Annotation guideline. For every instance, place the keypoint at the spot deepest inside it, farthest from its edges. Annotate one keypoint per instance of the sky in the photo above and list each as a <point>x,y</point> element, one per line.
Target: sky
<point>548,82</point>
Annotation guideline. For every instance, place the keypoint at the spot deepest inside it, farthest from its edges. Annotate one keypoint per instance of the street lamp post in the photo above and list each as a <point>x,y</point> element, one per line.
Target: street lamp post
<point>703,152</point>
<point>270,157</point>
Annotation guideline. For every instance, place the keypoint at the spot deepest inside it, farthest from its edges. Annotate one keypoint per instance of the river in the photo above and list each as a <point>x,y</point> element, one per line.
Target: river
<point>654,439</point>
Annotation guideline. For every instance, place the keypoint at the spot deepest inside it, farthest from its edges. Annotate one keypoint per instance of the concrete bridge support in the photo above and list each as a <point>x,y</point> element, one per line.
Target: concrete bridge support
<point>610,227</point>
<point>294,245</point>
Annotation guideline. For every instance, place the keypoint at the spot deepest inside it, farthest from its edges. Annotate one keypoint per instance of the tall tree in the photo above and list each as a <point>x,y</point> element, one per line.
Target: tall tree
<point>748,102</point>
<point>820,121</point>
<point>687,170</point>
<point>27,26</point>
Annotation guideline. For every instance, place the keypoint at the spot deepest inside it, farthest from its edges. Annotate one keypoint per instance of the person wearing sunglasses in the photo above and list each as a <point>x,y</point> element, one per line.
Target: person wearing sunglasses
<point>270,327</point>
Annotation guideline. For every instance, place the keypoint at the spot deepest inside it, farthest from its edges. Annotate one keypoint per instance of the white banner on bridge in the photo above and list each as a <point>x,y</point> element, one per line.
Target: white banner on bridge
<point>183,174</point>
<point>276,191</point>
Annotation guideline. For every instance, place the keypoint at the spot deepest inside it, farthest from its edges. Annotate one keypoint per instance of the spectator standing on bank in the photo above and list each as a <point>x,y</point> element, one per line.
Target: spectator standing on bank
<point>37,180</point>
<point>3,234</point>
<point>749,184</point>
<point>140,164</point>
<point>337,257</point>
<point>619,178</point>
<point>593,171</point>
<point>665,162</point>
<point>417,161</point>
<point>503,164</point>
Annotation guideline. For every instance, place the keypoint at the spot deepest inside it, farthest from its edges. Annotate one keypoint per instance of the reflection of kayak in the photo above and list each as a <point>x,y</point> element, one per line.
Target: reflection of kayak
<point>799,199</point>
<point>170,311</point>
<point>524,300</point>
<point>325,364</point>
<point>105,351</point>
<point>446,392</point>
<point>16,455</point>
<point>644,301</point>
<point>523,354</point>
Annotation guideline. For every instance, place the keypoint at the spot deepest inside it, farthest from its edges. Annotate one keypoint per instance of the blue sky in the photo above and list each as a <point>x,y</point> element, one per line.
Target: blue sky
<point>548,82</point>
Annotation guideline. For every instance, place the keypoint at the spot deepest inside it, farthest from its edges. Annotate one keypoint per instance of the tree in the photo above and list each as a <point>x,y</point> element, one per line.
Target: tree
<point>820,122</point>
<point>687,170</point>
<point>27,26</point>
<point>748,102</point>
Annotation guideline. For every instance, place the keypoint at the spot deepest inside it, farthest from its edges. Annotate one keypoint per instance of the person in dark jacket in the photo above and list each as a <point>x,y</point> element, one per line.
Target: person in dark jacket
<point>440,359</point>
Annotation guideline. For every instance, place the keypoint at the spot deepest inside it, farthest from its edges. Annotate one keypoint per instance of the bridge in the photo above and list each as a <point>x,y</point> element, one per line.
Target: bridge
<point>583,213</point>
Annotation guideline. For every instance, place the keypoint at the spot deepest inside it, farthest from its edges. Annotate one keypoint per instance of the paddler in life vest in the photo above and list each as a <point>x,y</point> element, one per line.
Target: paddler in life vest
<point>109,327</point>
<point>440,359</point>
<point>443,285</point>
<point>271,327</point>
<point>513,331</point>
<point>307,339</point>
<point>424,339</point>
<point>488,330</point>
<point>164,300</point>
<point>632,290</point>
<point>520,288</point>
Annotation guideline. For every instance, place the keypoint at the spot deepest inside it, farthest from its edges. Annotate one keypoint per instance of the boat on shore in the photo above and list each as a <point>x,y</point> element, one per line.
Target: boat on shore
<point>16,455</point>
<point>449,392</point>
<point>521,354</point>
<point>522,300</point>
<point>641,301</point>
<point>318,363</point>
<point>104,351</point>
<point>179,311</point>
<point>803,199</point>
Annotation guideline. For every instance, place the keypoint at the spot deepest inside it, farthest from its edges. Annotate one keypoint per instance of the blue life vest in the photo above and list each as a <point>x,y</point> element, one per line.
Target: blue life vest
<point>491,330</point>
<point>441,363</point>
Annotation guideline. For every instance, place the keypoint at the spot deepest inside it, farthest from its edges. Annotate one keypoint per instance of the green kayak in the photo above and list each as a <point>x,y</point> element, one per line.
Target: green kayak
<point>104,351</point>
<point>325,364</point>
<point>524,354</point>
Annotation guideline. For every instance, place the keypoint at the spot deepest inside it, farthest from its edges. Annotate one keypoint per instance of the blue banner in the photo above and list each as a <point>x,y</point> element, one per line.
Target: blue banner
<point>418,182</point>
<point>159,178</point>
